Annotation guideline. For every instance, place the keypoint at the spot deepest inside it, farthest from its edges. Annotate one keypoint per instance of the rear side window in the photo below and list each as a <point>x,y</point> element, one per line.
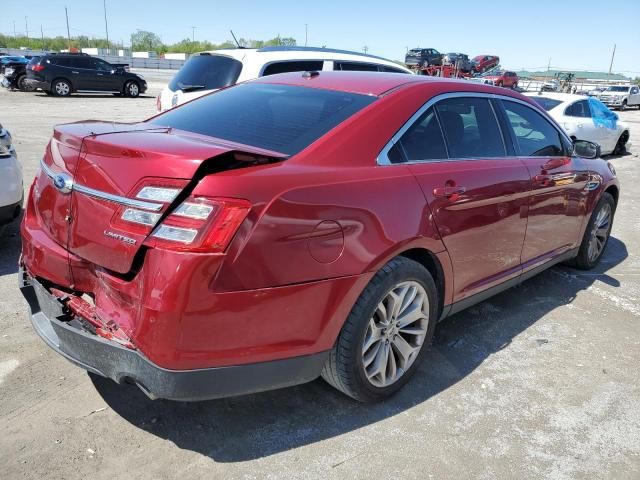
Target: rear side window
<point>282,118</point>
<point>422,141</point>
<point>82,62</point>
<point>578,109</point>
<point>546,103</point>
<point>206,72</point>
<point>392,69</point>
<point>355,66</point>
<point>470,128</point>
<point>293,66</point>
<point>61,61</point>
<point>534,134</point>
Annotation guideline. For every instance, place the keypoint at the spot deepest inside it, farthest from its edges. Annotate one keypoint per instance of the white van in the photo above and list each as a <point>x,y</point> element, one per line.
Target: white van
<point>208,71</point>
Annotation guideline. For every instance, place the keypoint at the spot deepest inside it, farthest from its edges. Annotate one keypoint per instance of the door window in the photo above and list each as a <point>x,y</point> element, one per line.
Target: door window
<point>421,142</point>
<point>534,134</point>
<point>355,66</point>
<point>294,66</point>
<point>392,69</point>
<point>470,128</point>
<point>83,62</point>
<point>102,65</point>
<point>578,109</point>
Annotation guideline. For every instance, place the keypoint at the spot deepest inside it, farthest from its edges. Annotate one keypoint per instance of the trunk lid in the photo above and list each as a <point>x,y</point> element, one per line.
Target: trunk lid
<point>109,164</point>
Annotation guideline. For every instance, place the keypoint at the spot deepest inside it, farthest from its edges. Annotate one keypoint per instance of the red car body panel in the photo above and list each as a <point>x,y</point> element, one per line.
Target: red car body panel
<point>321,224</point>
<point>503,80</point>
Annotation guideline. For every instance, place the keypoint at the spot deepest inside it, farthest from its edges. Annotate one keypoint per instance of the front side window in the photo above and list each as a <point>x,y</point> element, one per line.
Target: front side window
<point>534,134</point>
<point>281,118</point>
<point>102,65</point>
<point>293,66</point>
<point>578,109</point>
<point>422,141</point>
<point>470,128</point>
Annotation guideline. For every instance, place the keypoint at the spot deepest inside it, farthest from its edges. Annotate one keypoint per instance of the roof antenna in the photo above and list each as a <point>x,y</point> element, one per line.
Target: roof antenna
<point>235,39</point>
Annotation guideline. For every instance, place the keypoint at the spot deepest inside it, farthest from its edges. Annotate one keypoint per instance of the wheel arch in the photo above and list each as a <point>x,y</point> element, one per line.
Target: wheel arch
<point>430,261</point>
<point>614,191</point>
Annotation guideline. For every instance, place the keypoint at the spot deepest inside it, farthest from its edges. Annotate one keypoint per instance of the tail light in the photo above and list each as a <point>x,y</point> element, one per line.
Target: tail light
<point>201,224</point>
<point>198,224</point>
<point>37,68</point>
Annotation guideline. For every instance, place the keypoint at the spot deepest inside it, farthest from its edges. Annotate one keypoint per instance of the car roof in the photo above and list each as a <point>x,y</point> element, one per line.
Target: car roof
<point>562,97</point>
<point>270,54</point>
<point>371,83</point>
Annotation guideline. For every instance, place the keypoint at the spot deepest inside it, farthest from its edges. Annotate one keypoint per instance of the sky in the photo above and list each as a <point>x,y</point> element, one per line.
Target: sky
<point>525,34</point>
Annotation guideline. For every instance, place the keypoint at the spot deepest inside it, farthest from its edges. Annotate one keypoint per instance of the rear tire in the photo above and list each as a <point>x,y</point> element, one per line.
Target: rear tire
<point>23,85</point>
<point>596,235</point>
<point>378,350</point>
<point>61,87</point>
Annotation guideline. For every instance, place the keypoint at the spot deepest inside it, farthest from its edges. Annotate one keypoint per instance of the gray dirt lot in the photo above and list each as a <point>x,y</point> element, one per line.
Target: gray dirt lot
<point>540,381</point>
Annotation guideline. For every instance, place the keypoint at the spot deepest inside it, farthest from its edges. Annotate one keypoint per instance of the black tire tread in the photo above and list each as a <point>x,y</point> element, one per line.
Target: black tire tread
<point>336,369</point>
<point>581,261</point>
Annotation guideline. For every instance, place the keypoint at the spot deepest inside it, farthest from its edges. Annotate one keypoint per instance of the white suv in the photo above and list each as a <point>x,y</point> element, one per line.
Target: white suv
<point>11,189</point>
<point>208,71</point>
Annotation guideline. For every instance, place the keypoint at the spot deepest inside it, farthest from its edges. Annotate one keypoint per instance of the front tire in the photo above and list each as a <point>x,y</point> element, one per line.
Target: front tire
<point>596,235</point>
<point>132,89</point>
<point>386,334</point>
<point>621,144</point>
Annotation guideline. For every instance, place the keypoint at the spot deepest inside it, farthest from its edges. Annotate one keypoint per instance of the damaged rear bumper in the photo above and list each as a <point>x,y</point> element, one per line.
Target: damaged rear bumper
<point>112,360</point>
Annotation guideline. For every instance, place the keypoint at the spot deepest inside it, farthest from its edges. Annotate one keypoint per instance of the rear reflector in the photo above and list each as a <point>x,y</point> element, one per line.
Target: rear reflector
<point>158,194</point>
<point>140,216</point>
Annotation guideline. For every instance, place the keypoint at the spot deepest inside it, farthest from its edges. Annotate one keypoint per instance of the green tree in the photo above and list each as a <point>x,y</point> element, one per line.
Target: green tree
<point>145,41</point>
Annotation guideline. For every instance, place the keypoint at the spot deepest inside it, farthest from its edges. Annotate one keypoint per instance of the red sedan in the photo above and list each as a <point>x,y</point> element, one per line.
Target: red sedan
<point>299,225</point>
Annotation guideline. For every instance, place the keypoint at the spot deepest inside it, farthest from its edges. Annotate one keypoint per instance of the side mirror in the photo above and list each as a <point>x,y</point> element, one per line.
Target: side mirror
<point>586,149</point>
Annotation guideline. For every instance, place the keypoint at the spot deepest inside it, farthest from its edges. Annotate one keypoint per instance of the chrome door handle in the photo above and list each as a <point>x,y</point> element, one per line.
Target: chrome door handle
<point>99,74</point>
<point>448,191</point>
<point>74,71</point>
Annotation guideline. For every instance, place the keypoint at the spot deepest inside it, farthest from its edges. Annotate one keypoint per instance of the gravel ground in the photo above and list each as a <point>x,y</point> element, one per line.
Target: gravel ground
<point>539,381</point>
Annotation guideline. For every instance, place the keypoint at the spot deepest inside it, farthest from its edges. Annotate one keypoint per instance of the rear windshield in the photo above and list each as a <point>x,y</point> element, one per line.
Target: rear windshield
<point>206,72</point>
<point>281,118</point>
<point>546,103</point>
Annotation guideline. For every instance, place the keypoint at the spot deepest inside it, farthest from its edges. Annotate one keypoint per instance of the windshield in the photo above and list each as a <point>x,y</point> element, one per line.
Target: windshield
<point>206,72</point>
<point>546,103</point>
<point>617,89</point>
<point>281,118</point>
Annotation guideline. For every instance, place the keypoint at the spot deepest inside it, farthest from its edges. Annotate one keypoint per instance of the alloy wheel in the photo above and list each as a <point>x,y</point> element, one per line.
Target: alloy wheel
<point>395,333</point>
<point>599,232</point>
<point>133,89</point>
<point>62,89</point>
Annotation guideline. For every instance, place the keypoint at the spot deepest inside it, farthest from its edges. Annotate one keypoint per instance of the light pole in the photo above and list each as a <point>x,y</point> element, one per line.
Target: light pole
<point>106,26</point>
<point>26,27</point>
<point>306,33</point>
<point>193,34</point>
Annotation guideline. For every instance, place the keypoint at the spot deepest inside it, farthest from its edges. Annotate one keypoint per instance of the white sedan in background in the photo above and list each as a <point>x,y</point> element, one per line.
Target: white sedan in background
<point>586,118</point>
<point>11,190</point>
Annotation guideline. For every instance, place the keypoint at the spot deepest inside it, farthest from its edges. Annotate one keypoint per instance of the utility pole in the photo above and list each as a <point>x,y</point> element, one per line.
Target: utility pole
<point>66,13</point>
<point>365,49</point>
<point>613,54</point>
<point>306,33</point>
<point>42,36</point>
<point>548,66</point>
<point>193,34</point>
<point>14,30</point>
<point>26,27</point>
<point>106,25</point>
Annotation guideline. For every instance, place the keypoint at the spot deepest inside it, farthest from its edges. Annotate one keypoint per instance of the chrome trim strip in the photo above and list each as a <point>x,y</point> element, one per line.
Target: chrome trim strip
<point>383,158</point>
<point>71,185</point>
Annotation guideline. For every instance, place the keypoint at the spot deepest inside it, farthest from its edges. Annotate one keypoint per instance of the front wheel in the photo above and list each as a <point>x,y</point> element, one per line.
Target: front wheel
<point>386,334</point>
<point>596,235</point>
<point>624,105</point>
<point>131,89</point>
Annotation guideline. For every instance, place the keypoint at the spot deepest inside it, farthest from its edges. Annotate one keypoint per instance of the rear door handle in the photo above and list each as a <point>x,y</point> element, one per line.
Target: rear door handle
<point>448,191</point>
<point>74,71</point>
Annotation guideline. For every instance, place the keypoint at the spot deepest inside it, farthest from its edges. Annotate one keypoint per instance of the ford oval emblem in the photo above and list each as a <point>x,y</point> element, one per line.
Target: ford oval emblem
<point>63,182</point>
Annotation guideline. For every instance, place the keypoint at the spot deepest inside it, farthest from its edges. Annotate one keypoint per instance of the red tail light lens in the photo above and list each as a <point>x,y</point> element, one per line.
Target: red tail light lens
<point>201,224</point>
<point>37,68</point>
